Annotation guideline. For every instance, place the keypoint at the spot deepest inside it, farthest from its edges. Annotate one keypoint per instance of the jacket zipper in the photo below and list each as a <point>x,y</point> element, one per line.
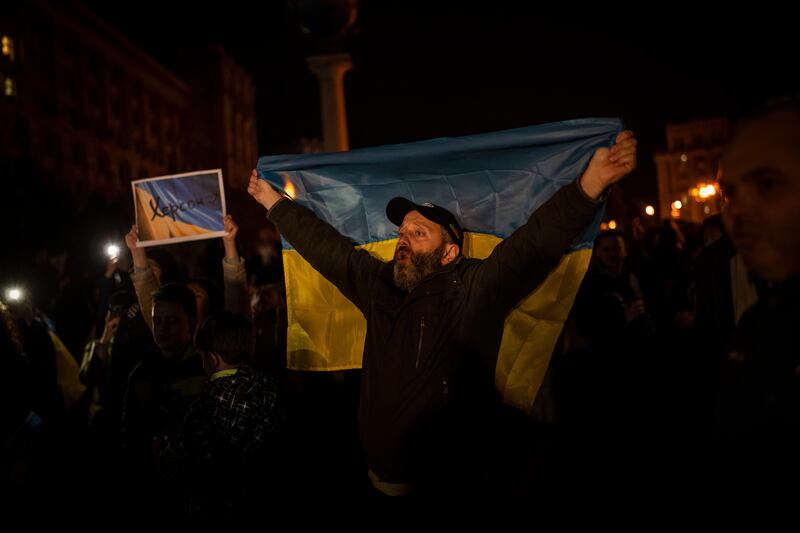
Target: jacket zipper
<point>419,346</point>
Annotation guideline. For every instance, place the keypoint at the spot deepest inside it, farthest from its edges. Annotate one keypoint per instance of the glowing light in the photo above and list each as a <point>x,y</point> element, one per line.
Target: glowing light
<point>14,294</point>
<point>703,191</point>
<point>707,191</point>
<point>650,210</point>
<point>289,189</point>
<point>677,204</point>
<point>684,158</point>
<point>612,224</point>
<point>8,47</point>
<point>112,250</point>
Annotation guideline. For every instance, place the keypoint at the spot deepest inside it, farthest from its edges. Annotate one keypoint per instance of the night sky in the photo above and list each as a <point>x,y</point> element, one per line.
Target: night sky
<point>422,71</point>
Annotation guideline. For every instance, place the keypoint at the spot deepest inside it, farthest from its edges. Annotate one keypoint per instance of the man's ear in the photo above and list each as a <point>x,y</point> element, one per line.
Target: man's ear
<point>450,253</point>
<point>214,359</point>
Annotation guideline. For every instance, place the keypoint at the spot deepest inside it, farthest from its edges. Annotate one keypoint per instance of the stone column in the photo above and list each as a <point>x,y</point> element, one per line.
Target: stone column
<point>330,70</point>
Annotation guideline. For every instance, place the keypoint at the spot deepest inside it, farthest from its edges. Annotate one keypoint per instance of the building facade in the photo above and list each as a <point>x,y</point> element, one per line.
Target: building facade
<point>688,170</point>
<point>93,111</point>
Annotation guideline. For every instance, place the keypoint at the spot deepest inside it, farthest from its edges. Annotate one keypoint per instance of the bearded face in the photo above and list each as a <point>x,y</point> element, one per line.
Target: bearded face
<point>411,267</point>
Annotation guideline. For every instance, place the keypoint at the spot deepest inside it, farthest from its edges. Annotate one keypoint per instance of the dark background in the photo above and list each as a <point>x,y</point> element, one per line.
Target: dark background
<point>429,69</point>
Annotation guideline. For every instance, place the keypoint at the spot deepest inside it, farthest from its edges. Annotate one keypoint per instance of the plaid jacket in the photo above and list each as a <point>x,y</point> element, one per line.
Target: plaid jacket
<point>226,439</point>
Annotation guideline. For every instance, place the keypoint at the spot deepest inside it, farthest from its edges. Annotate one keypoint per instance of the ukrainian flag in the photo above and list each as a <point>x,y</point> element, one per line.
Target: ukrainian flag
<point>188,206</point>
<point>491,182</point>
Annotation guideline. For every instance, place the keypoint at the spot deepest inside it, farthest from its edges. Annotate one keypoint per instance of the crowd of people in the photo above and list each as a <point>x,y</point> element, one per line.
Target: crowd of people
<point>159,386</point>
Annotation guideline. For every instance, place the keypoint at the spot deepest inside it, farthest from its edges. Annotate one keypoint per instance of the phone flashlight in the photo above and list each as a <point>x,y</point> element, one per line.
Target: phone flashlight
<point>112,251</point>
<point>14,294</point>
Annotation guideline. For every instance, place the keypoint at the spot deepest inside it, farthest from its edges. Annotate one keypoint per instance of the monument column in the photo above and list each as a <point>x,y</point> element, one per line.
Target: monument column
<point>330,70</point>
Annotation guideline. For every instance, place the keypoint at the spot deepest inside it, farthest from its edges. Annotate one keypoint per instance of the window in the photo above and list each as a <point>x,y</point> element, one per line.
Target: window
<point>9,87</point>
<point>7,46</point>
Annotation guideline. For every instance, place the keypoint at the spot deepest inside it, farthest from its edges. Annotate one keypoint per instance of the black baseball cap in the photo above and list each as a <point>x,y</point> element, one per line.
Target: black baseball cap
<point>399,207</point>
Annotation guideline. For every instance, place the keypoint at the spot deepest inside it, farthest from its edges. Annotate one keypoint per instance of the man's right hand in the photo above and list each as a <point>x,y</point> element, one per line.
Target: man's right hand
<point>262,191</point>
<point>608,166</point>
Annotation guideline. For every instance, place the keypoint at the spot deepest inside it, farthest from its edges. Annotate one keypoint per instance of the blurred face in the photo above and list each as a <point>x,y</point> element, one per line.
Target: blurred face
<point>711,235</point>
<point>265,299</point>
<point>268,235</point>
<point>761,185</point>
<point>172,328</point>
<point>419,251</point>
<point>611,252</point>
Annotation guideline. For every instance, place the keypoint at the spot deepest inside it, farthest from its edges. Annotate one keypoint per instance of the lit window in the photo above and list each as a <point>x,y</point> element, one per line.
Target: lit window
<point>8,87</point>
<point>8,47</point>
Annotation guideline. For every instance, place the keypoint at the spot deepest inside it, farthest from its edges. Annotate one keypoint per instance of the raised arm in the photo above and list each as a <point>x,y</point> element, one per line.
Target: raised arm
<point>521,262</point>
<point>144,280</point>
<point>233,271</point>
<point>263,192</point>
<point>609,165</point>
<point>331,254</point>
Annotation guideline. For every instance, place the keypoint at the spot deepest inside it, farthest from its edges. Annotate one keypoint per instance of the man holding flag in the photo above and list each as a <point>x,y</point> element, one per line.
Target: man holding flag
<point>435,318</point>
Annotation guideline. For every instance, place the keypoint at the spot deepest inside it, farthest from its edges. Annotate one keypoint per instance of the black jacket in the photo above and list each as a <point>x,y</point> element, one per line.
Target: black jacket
<point>429,355</point>
<point>758,418</point>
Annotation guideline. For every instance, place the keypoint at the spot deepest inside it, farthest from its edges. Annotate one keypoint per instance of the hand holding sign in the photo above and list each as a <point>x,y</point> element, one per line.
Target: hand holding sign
<point>181,207</point>
<point>229,239</point>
